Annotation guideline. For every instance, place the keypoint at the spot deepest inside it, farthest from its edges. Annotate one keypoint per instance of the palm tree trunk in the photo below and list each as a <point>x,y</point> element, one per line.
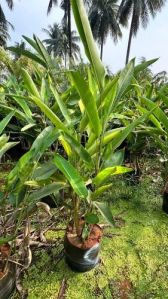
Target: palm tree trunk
<point>129,40</point>
<point>101,47</point>
<point>69,29</point>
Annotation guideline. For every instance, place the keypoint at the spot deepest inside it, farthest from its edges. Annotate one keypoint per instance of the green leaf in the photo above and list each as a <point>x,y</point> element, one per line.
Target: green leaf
<point>3,140</point>
<point>6,120</point>
<point>45,191</point>
<point>104,209</point>
<point>100,190</point>
<point>88,102</point>
<point>71,175</point>
<point>104,175</point>
<point>125,79</point>
<point>6,239</point>
<point>86,36</point>
<point>44,171</point>
<point>30,84</point>
<point>22,103</point>
<point>142,66</point>
<point>6,147</point>
<point>91,218</point>
<point>79,149</point>
<point>27,54</point>
<point>152,118</point>
<point>113,159</point>
<point>49,113</point>
<point>159,114</point>
<point>61,105</point>
<point>24,167</point>
<point>108,137</point>
<point>27,127</point>
<point>125,132</point>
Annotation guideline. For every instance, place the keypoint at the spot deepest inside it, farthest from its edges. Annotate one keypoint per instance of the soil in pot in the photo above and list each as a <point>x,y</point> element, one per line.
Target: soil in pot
<point>82,255</point>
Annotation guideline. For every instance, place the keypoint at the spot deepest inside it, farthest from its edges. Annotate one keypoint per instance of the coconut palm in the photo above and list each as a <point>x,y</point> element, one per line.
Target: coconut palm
<point>10,4</point>
<point>4,24</point>
<point>103,20</point>
<point>66,6</point>
<point>66,21</point>
<point>57,43</point>
<point>140,12</point>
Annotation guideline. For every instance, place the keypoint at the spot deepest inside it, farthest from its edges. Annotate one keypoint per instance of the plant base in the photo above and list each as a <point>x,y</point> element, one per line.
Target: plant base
<point>83,256</point>
<point>7,282</point>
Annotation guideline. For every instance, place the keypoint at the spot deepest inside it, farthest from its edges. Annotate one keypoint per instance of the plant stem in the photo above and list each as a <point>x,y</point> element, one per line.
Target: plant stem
<point>76,214</point>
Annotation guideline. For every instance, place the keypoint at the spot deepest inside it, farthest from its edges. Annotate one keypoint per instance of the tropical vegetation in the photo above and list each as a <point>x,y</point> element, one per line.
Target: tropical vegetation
<point>83,151</point>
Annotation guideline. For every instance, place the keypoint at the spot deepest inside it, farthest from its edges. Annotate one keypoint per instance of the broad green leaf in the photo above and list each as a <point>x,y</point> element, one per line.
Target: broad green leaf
<point>86,36</point>
<point>100,190</point>
<point>3,140</point>
<point>125,132</point>
<point>152,118</point>
<point>113,159</point>
<point>158,112</point>
<point>44,171</point>
<point>72,175</point>
<point>6,147</point>
<point>88,101</point>
<point>45,191</point>
<point>32,43</point>
<point>24,167</point>
<point>125,79</point>
<point>20,115</point>
<point>142,66</point>
<point>108,137</point>
<point>27,127</point>
<point>104,175</point>
<point>6,120</point>
<point>49,113</point>
<point>106,92</point>
<point>91,218</point>
<point>105,210</point>
<point>61,105</point>
<point>78,148</point>
<point>28,54</point>
<point>22,103</point>
<point>66,146</point>
<point>30,84</point>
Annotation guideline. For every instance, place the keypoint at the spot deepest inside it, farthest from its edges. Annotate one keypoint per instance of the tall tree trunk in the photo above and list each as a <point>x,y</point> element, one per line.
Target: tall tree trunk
<point>69,29</point>
<point>101,48</point>
<point>65,58</point>
<point>129,40</point>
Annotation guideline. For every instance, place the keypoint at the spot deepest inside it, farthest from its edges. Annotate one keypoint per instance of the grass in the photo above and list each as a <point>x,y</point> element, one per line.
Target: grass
<point>134,254</point>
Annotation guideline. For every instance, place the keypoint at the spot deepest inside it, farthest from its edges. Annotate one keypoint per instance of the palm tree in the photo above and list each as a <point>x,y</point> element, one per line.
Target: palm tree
<point>2,15</point>
<point>4,24</point>
<point>4,35</point>
<point>57,43</point>
<point>66,6</point>
<point>103,20</point>
<point>139,10</point>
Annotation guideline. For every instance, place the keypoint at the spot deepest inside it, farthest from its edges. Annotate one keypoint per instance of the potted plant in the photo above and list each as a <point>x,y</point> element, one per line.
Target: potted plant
<point>90,157</point>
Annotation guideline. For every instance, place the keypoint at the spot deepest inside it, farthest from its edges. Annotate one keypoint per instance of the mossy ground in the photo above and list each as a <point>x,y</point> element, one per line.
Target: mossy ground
<point>134,254</point>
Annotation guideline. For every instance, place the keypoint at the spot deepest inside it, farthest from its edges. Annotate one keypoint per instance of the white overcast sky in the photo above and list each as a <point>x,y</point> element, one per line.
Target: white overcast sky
<point>29,16</point>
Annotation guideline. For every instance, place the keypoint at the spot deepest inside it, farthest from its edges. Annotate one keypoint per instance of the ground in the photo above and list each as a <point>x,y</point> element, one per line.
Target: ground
<point>134,254</point>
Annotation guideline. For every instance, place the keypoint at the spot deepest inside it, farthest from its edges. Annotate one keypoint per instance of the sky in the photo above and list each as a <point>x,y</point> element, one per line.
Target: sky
<point>29,16</point>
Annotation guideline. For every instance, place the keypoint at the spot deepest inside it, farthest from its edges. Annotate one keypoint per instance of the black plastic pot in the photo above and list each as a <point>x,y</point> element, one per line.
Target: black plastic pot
<point>79,259</point>
<point>165,202</point>
<point>7,282</point>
